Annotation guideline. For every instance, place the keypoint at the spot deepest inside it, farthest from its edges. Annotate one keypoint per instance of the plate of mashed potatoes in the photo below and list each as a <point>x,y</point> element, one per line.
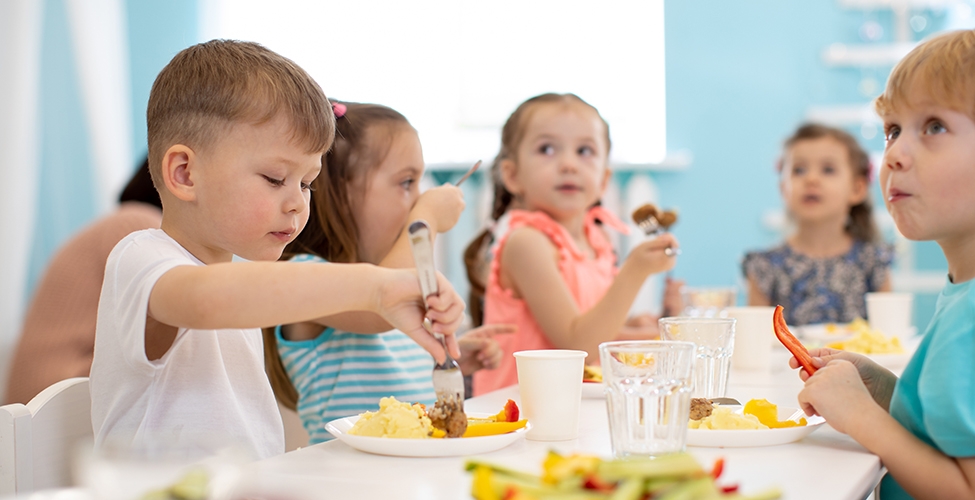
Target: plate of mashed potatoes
<point>737,426</point>
<point>403,430</point>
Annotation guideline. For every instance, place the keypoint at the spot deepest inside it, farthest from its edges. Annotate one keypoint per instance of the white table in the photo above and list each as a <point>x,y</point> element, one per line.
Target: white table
<point>826,464</point>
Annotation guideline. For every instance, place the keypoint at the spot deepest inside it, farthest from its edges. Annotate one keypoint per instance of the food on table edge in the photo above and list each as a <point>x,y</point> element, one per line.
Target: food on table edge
<point>756,414</point>
<point>868,341</point>
<point>396,419</point>
<point>194,485</point>
<point>579,476</point>
<point>591,373</point>
<point>790,341</point>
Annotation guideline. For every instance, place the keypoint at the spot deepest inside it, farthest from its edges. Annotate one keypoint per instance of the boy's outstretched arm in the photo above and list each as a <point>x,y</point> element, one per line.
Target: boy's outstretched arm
<point>258,294</point>
<point>837,393</point>
<point>440,207</point>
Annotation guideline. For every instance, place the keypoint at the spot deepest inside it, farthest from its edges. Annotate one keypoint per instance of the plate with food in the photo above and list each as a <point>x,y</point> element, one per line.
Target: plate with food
<point>757,423</point>
<point>592,382</point>
<point>888,351</point>
<point>405,430</point>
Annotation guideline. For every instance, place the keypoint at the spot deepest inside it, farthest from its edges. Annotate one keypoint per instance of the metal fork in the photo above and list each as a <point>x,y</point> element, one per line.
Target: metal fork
<point>448,382</point>
<point>651,227</point>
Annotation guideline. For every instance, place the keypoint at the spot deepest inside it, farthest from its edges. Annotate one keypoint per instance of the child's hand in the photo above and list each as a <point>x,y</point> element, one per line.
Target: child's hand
<point>837,392</point>
<point>401,304</point>
<point>478,349</point>
<point>640,327</point>
<point>673,300</point>
<point>440,206</point>
<point>878,380</point>
<point>648,257</point>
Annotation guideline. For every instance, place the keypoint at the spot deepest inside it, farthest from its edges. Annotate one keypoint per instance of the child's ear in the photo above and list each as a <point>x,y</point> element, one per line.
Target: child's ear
<point>509,178</point>
<point>860,189</point>
<point>177,171</point>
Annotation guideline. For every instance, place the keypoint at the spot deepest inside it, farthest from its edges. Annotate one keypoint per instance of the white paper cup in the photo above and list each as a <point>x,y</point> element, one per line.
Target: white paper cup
<point>550,382</point>
<point>754,337</point>
<point>890,313</point>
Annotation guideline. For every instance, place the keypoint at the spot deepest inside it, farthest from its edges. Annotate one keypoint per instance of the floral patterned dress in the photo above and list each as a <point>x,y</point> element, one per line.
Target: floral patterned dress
<point>820,290</point>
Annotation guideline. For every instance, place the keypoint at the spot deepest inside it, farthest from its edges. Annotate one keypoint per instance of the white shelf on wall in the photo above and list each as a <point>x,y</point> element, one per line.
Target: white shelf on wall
<point>843,115</point>
<point>673,162</point>
<point>894,4</point>
<point>880,54</point>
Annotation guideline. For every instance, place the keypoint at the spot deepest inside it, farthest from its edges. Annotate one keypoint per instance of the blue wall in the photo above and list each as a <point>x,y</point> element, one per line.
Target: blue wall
<point>740,77</point>
<point>66,196</point>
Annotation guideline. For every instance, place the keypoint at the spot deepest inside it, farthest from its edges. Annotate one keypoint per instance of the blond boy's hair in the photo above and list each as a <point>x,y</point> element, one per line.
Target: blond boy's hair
<point>211,86</point>
<point>942,69</point>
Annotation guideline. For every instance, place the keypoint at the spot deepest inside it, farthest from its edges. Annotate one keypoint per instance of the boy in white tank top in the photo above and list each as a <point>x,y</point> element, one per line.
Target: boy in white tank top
<point>236,134</point>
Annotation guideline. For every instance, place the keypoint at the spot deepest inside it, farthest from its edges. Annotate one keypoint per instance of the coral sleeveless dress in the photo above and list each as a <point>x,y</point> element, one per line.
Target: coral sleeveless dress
<point>587,281</point>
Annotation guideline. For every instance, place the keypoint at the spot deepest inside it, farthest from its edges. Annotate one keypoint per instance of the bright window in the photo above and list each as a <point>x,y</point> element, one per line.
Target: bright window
<point>457,69</point>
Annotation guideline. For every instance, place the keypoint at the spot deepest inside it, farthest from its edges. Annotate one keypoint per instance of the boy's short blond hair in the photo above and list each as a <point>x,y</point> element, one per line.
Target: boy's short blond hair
<point>211,86</point>
<point>941,69</point>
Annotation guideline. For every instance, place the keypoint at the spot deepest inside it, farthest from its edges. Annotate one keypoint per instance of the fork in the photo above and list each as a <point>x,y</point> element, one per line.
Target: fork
<point>652,227</point>
<point>448,382</point>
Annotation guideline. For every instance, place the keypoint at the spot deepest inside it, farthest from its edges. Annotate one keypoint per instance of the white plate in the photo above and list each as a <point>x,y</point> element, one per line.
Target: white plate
<point>423,447</point>
<point>593,390</point>
<point>749,438</point>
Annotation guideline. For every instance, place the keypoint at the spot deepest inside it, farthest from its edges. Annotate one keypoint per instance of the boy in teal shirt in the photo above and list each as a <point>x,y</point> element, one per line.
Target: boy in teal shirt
<point>922,426</point>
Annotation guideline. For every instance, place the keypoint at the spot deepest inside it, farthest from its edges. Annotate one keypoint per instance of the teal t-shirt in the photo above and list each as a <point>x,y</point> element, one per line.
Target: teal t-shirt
<point>341,374</point>
<point>935,397</point>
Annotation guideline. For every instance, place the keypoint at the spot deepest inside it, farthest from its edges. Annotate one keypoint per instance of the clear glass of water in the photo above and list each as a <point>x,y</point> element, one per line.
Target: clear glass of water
<point>708,302</point>
<point>715,341</point>
<point>648,395</point>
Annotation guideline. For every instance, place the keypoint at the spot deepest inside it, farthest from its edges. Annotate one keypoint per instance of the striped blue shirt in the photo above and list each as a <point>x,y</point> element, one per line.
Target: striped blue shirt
<point>339,374</point>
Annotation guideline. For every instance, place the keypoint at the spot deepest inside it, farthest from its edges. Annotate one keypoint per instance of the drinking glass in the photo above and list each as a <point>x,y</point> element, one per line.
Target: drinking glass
<point>715,341</point>
<point>708,302</point>
<point>648,395</point>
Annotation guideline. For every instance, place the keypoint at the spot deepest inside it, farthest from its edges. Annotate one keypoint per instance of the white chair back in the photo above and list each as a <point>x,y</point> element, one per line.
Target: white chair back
<point>38,440</point>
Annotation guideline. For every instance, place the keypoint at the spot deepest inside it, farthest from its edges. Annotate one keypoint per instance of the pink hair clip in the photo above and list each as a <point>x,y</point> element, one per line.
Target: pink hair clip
<point>339,109</point>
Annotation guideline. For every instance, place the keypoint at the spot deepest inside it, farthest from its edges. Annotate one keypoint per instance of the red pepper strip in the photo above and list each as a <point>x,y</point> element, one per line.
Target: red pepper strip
<point>791,342</point>
<point>594,483</point>
<point>729,489</point>
<point>718,468</point>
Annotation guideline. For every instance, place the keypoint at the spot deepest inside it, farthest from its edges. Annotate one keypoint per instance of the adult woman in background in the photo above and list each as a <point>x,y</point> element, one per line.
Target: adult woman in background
<point>58,335</point>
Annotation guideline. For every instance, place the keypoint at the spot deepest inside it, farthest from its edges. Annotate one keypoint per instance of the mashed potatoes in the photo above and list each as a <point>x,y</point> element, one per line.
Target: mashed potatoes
<point>725,419</point>
<point>394,420</point>
<point>867,341</point>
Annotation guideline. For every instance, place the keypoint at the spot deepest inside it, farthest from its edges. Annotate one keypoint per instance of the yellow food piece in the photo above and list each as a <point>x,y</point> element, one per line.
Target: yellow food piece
<point>557,467</point>
<point>592,373</point>
<point>768,414</point>
<point>478,427</point>
<point>394,419</point>
<point>636,359</point>
<point>723,418</point>
<point>867,341</point>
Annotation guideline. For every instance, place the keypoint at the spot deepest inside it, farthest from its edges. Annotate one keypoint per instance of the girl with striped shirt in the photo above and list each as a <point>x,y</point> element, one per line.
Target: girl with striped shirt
<point>362,201</point>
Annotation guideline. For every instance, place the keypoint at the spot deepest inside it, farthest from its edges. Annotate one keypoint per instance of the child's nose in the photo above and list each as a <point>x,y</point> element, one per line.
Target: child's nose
<point>897,156</point>
<point>568,163</point>
<point>295,202</point>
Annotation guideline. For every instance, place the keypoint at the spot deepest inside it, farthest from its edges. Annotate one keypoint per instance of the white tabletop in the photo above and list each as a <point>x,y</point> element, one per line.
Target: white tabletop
<point>826,464</point>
